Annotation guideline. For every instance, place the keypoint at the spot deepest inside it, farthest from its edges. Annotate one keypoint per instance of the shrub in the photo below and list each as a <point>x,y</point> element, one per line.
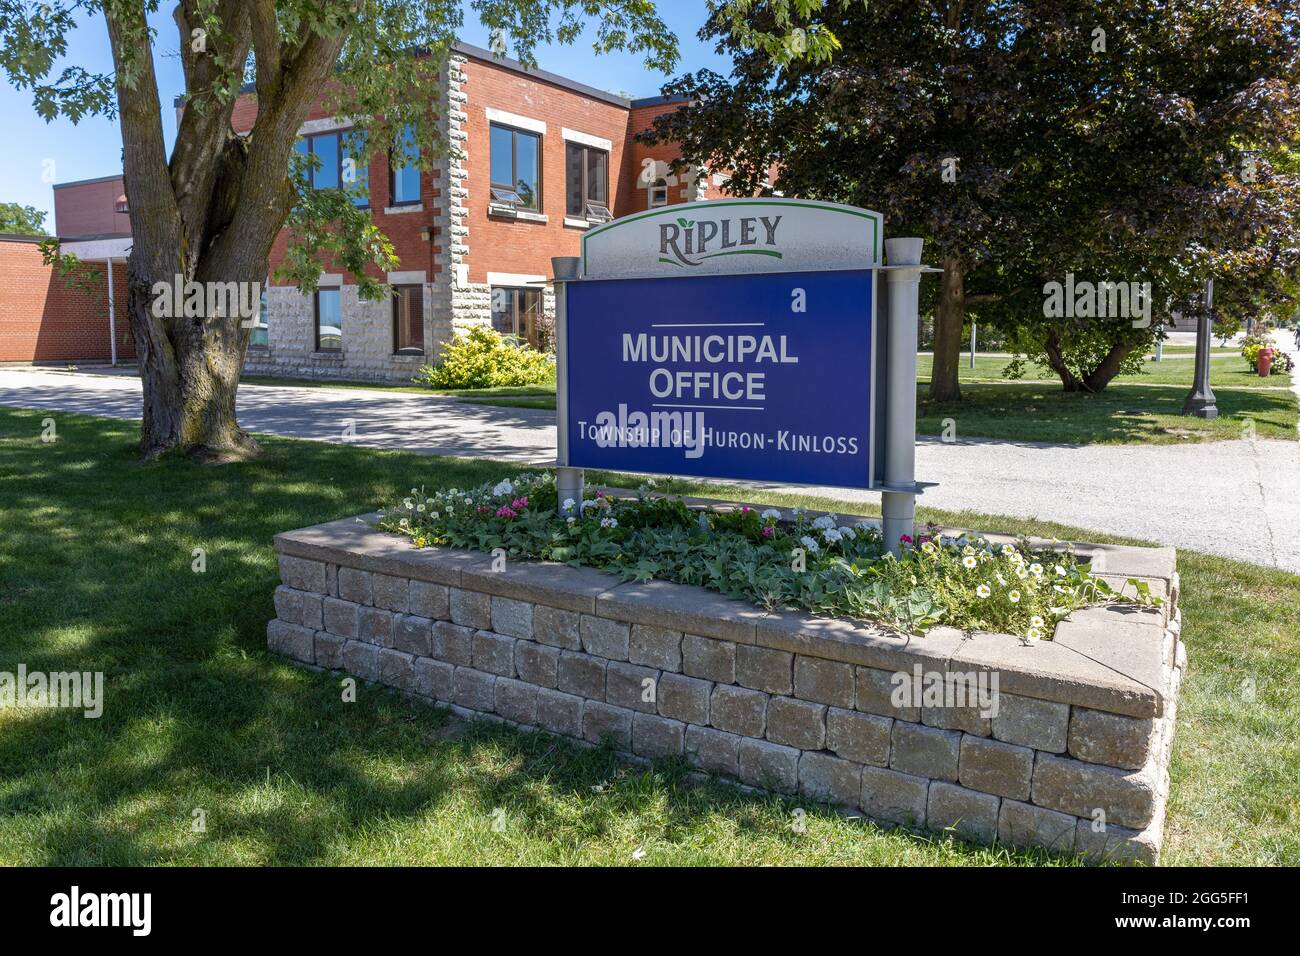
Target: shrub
<point>1250,347</point>
<point>812,563</point>
<point>484,358</point>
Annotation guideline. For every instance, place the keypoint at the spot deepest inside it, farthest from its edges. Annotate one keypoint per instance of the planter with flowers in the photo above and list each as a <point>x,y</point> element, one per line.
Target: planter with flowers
<point>1013,690</point>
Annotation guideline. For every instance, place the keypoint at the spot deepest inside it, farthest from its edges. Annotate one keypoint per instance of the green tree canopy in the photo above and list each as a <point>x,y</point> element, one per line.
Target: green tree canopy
<point>1027,140</point>
<point>21,220</point>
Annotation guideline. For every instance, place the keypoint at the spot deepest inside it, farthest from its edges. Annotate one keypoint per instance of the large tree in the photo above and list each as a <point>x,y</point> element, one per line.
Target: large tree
<point>1026,139</point>
<point>211,210</point>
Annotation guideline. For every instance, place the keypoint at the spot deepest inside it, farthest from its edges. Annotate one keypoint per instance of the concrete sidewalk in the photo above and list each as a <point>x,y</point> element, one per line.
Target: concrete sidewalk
<point>1239,499</point>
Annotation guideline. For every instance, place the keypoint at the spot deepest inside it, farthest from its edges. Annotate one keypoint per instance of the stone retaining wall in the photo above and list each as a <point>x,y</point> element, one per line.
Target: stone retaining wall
<point>1074,757</point>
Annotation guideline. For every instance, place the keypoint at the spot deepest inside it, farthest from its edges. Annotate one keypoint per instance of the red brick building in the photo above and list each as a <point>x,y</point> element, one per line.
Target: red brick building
<point>540,159</point>
<point>44,318</point>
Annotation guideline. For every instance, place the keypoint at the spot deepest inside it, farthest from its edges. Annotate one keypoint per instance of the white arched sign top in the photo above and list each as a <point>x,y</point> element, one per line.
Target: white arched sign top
<point>734,236</point>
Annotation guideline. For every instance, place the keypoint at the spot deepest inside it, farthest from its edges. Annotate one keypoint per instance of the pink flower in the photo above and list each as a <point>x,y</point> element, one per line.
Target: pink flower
<point>905,539</point>
<point>505,512</point>
<point>744,509</point>
<point>768,531</point>
<point>600,494</point>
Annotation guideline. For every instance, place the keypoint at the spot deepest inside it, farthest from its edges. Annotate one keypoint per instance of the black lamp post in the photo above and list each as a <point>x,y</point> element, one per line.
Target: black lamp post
<point>1200,401</point>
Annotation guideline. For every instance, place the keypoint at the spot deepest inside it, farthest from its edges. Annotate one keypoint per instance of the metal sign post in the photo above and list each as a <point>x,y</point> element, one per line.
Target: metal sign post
<point>568,481</point>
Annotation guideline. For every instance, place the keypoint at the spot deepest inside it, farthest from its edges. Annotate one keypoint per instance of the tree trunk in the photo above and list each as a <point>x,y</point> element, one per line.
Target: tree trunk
<point>1108,367</point>
<point>189,370</point>
<point>1095,380</point>
<point>210,215</point>
<point>949,317</point>
<point>1056,359</point>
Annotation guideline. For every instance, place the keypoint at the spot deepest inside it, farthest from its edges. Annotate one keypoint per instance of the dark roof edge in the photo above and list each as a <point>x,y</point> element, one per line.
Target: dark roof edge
<point>487,56</point>
<point>87,182</point>
<point>18,237</point>
<point>95,237</point>
<point>658,101</point>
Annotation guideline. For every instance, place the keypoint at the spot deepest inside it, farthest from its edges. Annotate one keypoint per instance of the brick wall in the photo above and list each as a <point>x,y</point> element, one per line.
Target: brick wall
<point>90,208</point>
<point>42,320</point>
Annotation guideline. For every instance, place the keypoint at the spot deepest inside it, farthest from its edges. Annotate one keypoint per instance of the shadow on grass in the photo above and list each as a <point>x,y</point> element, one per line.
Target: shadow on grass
<point>161,576</point>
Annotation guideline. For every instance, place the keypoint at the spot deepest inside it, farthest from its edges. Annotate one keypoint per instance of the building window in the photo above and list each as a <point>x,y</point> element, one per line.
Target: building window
<point>518,312</point>
<point>257,338</point>
<point>659,193</point>
<point>516,174</point>
<point>329,321</point>
<point>342,163</point>
<point>587,182</point>
<point>408,320</point>
<point>404,170</point>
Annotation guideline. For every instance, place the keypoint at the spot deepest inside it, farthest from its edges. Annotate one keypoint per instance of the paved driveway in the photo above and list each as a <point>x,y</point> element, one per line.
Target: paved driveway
<point>1240,499</point>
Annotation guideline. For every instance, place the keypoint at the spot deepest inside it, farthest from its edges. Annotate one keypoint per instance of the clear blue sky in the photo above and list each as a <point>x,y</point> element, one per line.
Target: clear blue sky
<point>38,154</point>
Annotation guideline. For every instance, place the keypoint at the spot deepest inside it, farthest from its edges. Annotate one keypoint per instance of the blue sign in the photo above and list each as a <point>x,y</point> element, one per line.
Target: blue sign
<point>764,377</point>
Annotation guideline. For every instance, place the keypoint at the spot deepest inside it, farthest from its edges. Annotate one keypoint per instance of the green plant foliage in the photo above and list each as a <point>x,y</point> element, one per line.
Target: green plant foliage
<point>816,563</point>
<point>484,358</point>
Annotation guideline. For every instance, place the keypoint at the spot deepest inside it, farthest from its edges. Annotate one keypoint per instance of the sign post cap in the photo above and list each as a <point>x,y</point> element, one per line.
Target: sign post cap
<point>903,252</point>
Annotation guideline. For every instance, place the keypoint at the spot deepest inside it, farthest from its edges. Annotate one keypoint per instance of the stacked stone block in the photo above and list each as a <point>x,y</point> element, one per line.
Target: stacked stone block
<point>1074,759</point>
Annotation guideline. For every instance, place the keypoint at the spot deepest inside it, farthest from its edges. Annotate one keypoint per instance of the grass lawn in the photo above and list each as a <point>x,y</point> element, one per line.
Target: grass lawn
<point>1226,371</point>
<point>1120,414</point>
<point>95,574</point>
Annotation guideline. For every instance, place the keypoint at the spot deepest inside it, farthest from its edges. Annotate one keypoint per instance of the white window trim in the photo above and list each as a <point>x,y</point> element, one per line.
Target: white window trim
<point>331,280</point>
<point>514,279</point>
<point>586,139</point>
<point>514,119</point>
<point>327,125</point>
<point>399,210</point>
<point>407,278</point>
<point>577,223</point>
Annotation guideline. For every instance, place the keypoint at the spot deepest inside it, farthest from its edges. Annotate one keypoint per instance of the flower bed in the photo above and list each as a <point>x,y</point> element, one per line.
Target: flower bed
<point>773,560</point>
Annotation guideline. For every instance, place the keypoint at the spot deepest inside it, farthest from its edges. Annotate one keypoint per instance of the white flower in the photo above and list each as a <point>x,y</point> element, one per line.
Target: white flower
<point>811,545</point>
<point>420,507</point>
<point>1036,570</point>
<point>434,515</point>
<point>969,562</point>
<point>504,488</point>
<point>609,522</point>
<point>771,514</point>
<point>403,522</point>
<point>569,505</point>
<point>1036,621</point>
<point>1001,580</point>
<point>849,533</point>
<point>1008,550</point>
<point>831,535</point>
<point>824,522</point>
<point>928,547</point>
<point>983,590</point>
<point>1021,573</point>
<point>1032,636</point>
<point>638,853</point>
<point>1060,571</point>
<point>1013,597</point>
<point>408,504</point>
<point>570,521</point>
